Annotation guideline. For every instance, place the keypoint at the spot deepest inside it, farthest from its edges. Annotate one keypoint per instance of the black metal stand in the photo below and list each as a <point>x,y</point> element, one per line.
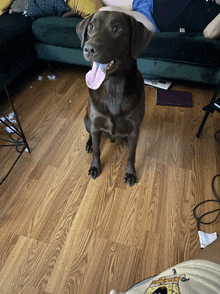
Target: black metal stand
<point>20,142</point>
<point>214,105</point>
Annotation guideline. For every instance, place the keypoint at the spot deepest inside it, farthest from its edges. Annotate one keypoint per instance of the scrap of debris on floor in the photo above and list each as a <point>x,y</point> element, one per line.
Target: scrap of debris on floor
<point>50,77</point>
<point>11,118</point>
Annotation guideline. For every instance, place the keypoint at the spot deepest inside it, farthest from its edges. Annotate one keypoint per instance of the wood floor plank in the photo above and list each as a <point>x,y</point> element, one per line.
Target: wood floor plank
<point>16,273</point>
<point>170,136</point>
<point>174,220</point>
<point>15,207</point>
<point>46,145</point>
<point>102,276</point>
<point>8,241</point>
<point>62,241</point>
<point>74,263</point>
<point>149,264</point>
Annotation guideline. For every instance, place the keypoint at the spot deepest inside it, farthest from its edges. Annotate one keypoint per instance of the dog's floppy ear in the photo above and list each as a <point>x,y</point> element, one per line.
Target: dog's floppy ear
<point>140,37</point>
<point>81,29</point>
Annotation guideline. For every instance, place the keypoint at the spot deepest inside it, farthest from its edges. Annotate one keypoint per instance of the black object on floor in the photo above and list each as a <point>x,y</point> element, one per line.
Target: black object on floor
<point>20,142</point>
<point>174,98</point>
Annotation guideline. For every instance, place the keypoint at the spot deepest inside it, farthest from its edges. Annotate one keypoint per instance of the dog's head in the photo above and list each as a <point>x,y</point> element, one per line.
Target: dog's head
<point>112,37</point>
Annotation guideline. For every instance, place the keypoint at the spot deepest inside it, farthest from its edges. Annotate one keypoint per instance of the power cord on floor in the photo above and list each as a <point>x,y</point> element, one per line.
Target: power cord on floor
<point>199,218</point>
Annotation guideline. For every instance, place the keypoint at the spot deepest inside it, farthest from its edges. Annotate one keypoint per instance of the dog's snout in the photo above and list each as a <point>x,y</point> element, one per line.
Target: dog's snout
<point>89,50</point>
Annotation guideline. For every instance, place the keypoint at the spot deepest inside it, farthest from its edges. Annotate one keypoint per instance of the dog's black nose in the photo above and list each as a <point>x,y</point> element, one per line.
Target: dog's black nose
<point>89,50</point>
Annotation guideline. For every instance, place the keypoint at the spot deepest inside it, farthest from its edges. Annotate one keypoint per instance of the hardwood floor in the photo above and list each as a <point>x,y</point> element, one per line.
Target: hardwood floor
<point>63,232</point>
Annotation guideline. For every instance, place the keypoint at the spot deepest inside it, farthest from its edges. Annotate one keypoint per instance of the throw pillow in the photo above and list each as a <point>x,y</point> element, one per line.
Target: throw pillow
<point>5,5</point>
<point>83,7</point>
<point>43,8</point>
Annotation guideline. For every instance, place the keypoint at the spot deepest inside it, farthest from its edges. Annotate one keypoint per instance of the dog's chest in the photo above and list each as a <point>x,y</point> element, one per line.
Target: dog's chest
<point>113,104</point>
<point>111,113</point>
<point>112,98</point>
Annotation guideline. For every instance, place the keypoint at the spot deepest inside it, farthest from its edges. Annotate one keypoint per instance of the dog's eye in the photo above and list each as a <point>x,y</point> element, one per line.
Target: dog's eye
<point>115,29</point>
<point>90,26</point>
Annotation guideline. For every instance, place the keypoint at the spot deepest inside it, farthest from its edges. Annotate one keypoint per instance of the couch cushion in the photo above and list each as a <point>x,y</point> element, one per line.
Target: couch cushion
<point>59,31</point>
<point>184,48</point>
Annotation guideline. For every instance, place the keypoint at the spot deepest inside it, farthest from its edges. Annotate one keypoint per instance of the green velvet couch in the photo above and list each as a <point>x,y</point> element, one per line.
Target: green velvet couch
<point>169,55</point>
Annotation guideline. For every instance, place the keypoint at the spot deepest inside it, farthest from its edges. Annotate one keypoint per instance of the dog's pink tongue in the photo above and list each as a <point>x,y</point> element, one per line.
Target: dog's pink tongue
<point>96,75</point>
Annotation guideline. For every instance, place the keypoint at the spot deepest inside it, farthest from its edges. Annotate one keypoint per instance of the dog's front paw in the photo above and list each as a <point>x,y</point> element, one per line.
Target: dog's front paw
<point>131,179</point>
<point>94,172</point>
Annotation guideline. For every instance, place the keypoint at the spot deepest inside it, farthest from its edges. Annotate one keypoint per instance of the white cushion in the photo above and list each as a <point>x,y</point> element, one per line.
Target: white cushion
<point>125,4</point>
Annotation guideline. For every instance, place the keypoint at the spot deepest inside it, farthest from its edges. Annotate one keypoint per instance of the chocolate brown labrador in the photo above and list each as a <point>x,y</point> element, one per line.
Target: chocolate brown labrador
<point>116,105</point>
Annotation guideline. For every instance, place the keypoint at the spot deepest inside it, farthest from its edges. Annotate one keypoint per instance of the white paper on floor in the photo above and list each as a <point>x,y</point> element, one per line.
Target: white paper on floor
<point>206,239</point>
<point>53,77</point>
<point>11,118</point>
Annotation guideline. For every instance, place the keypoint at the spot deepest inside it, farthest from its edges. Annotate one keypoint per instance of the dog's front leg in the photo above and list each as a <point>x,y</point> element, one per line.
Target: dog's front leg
<point>95,168</point>
<point>130,176</point>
